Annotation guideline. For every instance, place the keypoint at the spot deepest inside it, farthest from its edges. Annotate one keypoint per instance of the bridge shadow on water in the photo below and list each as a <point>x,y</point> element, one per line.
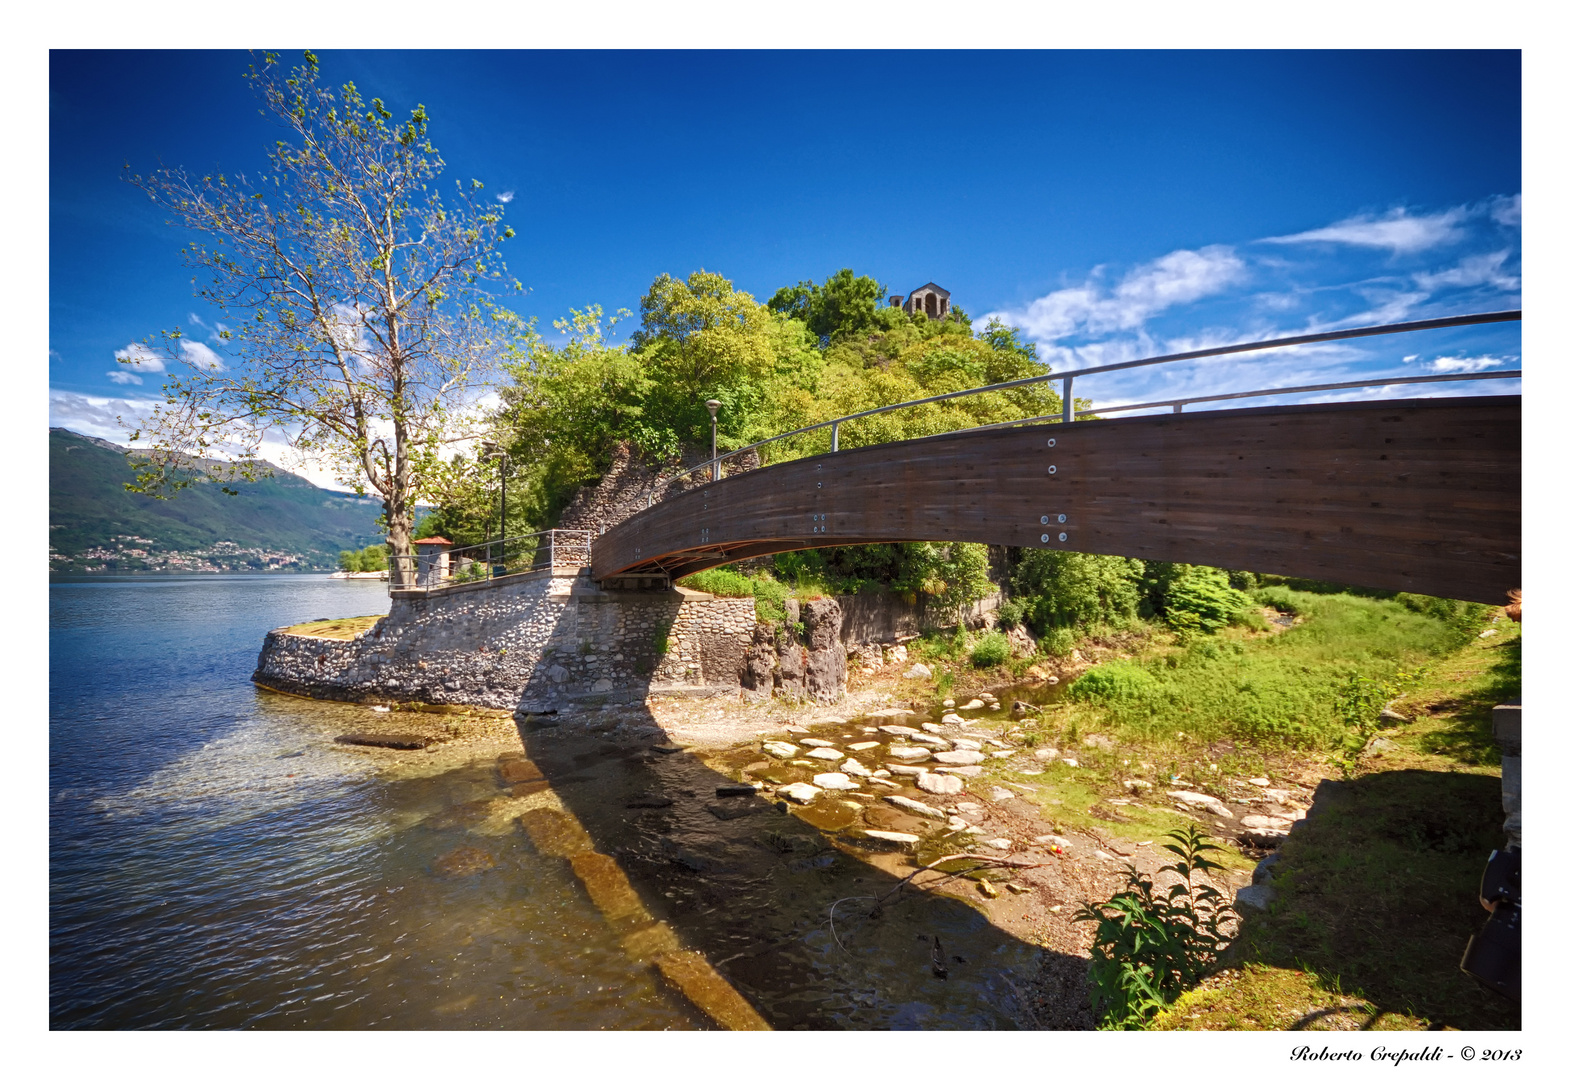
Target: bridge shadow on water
<point>783,910</point>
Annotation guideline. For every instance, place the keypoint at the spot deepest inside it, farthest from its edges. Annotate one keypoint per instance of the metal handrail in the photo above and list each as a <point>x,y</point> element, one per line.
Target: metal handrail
<point>1068,377</point>
<point>573,550</point>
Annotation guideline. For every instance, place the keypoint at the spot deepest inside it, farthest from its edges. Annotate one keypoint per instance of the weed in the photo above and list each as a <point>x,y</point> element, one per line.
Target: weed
<point>1151,946</point>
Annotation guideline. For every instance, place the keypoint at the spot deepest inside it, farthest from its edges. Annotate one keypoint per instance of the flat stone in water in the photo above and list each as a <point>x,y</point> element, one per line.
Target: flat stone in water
<point>911,753</point>
<point>914,807</point>
<point>959,757</point>
<point>972,771</point>
<point>900,841</point>
<point>461,862</point>
<point>824,753</point>
<point>884,713</point>
<point>864,745</point>
<point>940,784</point>
<point>898,729</point>
<point>815,742</point>
<point>780,749</point>
<point>929,740</point>
<point>906,770</point>
<point>852,767</point>
<point>799,793</point>
<point>836,782</point>
<point>967,744</point>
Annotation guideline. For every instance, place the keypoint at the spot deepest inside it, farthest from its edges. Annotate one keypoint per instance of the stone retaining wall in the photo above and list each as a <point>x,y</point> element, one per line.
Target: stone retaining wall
<point>532,642</point>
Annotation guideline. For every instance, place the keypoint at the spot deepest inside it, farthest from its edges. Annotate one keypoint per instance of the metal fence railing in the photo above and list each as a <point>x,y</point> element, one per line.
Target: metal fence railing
<point>443,568</point>
<point>1069,413</point>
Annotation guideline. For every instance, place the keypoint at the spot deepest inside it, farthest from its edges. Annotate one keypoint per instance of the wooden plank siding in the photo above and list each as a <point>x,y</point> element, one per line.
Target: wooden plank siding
<point>1419,496</point>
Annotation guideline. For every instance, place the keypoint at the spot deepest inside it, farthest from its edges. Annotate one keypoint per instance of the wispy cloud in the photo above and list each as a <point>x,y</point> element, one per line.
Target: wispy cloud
<point>124,378</point>
<point>505,197</point>
<point>141,357</point>
<point>1397,231</point>
<point>1481,269</point>
<point>1449,365</point>
<point>1178,277</point>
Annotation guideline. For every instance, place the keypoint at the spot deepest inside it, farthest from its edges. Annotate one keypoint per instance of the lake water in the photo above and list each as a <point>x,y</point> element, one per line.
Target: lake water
<point>216,861</point>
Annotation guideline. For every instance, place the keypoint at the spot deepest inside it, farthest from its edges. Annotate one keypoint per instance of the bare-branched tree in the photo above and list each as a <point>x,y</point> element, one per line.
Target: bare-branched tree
<point>358,315</point>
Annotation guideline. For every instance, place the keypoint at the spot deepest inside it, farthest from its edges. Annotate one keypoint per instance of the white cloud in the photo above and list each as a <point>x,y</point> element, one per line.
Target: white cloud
<point>1179,277</point>
<point>505,197</point>
<point>88,414</point>
<point>141,357</point>
<point>1507,210</point>
<point>1396,231</point>
<point>124,377</point>
<point>200,356</point>
<point>1448,365</point>
<point>1481,269</point>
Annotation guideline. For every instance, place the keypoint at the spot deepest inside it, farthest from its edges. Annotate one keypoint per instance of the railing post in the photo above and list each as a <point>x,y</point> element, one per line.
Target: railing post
<point>1178,406</point>
<point>1069,399</point>
<point>834,437</point>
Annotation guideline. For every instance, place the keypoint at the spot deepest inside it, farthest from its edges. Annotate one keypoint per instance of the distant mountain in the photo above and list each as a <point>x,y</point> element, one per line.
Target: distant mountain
<point>283,522</point>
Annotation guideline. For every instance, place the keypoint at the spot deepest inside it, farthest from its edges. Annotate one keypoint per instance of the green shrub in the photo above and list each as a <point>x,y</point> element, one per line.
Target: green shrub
<point>1199,599</point>
<point>1011,613</point>
<point>1464,617</point>
<point>720,581</point>
<point>1282,599</point>
<point>1114,682</point>
<point>1057,641</point>
<point>991,650</point>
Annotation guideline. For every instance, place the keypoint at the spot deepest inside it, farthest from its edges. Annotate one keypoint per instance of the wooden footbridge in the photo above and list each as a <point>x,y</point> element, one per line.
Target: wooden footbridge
<point>1418,495</point>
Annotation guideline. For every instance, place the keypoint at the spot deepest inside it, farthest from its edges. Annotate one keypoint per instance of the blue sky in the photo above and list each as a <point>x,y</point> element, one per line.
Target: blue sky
<point>1111,204</point>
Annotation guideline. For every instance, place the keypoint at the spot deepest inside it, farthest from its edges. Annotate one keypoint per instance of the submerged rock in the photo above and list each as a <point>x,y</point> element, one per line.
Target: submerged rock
<point>461,862</point>
<point>914,807</point>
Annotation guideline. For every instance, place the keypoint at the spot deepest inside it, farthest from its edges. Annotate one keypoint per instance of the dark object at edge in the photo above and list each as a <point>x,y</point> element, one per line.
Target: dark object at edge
<point>1494,954</point>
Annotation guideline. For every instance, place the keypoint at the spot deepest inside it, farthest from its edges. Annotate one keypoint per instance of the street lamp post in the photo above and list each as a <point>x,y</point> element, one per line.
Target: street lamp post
<point>714,437</point>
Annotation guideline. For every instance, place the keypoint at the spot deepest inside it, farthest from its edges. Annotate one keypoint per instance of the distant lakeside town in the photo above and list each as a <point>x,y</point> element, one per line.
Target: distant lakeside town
<point>137,554</point>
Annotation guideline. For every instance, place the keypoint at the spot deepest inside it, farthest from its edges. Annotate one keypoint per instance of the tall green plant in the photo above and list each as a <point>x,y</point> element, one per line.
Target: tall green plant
<point>1152,945</point>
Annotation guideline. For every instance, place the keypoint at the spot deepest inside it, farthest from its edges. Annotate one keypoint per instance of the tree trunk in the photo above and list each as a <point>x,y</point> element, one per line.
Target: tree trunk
<point>399,547</point>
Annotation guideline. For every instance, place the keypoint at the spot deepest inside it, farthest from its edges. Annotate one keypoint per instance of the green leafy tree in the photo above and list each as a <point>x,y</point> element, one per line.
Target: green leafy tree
<point>357,301</point>
<point>846,305</point>
<point>1060,589</point>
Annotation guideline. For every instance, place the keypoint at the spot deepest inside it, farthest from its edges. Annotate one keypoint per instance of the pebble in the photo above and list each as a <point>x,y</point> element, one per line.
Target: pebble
<point>815,742</point>
<point>912,806</point>
<point>1000,843</point>
<point>940,784</point>
<point>918,670</point>
<point>1003,753</point>
<point>1016,888</point>
<point>951,718</point>
<point>930,740</point>
<point>974,703</point>
<point>799,793</point>
<point>780,750</point>
<point>898,729</point>
<point>863,745</point>
<point>906,770</point>
<point>967,744</point>
<point>987,889</point>
<point>881,782</point>
<point>935,729</point>
<point>1137,785</point>
<point>1260,781</point>
<point>824,753</point>
<point>852,767</point>
<point>999,794</point>
<point>910,753</point>
<point>989,698</point>
<point>1262,821</point>
<point>1071,762</point>
<point>949,703</point>
<point>881,773</point>
<point>836,782</point>
<point>960,770</point>
<point>1044,753</point>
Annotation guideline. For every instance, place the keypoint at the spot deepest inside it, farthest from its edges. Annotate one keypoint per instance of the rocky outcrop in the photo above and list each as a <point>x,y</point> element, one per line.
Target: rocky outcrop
<point>824,675</point>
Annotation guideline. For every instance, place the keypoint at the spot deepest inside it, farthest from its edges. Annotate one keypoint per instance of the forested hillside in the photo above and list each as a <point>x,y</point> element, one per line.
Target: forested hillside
<point>279,522</point>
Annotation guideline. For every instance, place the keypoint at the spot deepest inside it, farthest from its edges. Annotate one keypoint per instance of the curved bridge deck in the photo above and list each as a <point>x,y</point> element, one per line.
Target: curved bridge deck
<point>1419,496</point>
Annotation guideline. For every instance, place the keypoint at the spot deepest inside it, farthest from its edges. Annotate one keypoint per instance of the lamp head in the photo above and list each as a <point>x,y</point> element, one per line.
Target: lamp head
<point>714,408</point>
